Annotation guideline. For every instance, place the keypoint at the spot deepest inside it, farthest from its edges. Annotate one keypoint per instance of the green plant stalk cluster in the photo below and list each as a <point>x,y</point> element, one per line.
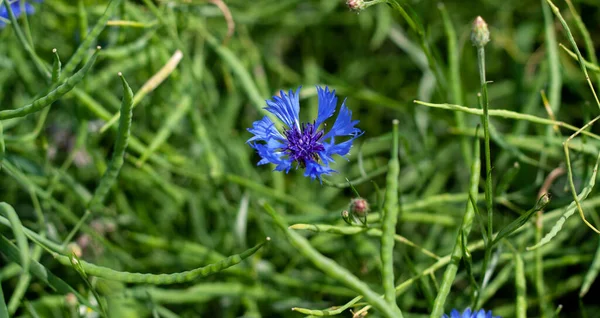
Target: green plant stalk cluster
<point>176,186</point>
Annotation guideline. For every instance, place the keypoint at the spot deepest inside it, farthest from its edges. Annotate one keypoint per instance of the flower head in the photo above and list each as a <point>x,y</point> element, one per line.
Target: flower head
<point>15,6</point>
<point>468,314</point>
<point>305,144</point>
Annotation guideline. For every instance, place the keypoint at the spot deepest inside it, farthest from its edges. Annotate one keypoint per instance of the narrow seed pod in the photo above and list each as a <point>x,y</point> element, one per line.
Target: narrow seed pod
<point>390,218</point>
<point>161,279</point>
<point>54,95</point>
<point>56,67</point>
<point>110,175</point>
<point>520,286</point>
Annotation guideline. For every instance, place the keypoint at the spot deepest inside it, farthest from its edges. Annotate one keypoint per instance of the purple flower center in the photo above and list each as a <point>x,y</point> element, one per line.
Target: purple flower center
<point>304,145</point>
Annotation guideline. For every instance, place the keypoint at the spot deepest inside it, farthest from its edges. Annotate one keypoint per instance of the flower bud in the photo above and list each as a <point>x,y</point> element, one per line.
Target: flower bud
<point>71,300</point>
<point>359,207</point>
<point>346,217</point>
<point>480,34</point>
<point>355,5</point>
<point>543,201</point>
<point>75,249</point>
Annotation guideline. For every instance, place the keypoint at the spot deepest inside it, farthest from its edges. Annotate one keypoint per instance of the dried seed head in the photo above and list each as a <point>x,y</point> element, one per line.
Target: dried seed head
<point>359,207</point>
<point>355,5</point>
<point>480,34</point>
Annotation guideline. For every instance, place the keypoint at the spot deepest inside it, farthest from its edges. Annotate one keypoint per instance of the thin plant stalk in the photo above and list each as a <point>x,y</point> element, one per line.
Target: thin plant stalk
<point>485,118</point>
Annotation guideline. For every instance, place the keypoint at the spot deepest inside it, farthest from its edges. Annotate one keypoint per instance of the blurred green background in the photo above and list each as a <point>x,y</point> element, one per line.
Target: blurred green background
<point>196,197</point>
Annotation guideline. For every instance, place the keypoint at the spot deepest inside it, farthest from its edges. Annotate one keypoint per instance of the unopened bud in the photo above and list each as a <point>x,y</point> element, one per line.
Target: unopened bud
<point>543,201</point>
<point>346,217</point>
<point>359,207</point>
<point>75,249</point>
<point>355,5</point>
<point>71,300</point>
<point>480,34</point>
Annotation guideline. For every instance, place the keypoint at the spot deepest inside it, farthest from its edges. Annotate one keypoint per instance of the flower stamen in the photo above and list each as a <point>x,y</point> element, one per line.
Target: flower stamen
<point>304,144</point>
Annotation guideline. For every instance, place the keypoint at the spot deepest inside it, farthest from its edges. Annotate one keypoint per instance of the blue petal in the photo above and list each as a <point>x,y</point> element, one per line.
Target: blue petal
<point>286,107</point>
<point>341,149</point>
<point>489,315</point>
<point>467,313</point>
<point>344,125</point>
<point>29,9</point>
<point>315,170</point>
<point>327,103</point>
<point>16,9</point>
<point>264,130</point>
<point>478,314</point>
<point>271,155</point>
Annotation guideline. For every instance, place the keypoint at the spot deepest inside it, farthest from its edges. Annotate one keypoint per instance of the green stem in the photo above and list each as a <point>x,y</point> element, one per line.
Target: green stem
<point>486,135</point>
<point>485,118</point>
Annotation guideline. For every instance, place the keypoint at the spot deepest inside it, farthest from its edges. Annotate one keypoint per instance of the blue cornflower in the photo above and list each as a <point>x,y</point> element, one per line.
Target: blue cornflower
<point>304,143</point>
<point>15,5</point>
<point>468,314</point>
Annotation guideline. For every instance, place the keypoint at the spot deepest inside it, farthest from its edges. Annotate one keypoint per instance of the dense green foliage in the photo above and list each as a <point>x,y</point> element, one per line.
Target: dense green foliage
<point>126,183</point>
